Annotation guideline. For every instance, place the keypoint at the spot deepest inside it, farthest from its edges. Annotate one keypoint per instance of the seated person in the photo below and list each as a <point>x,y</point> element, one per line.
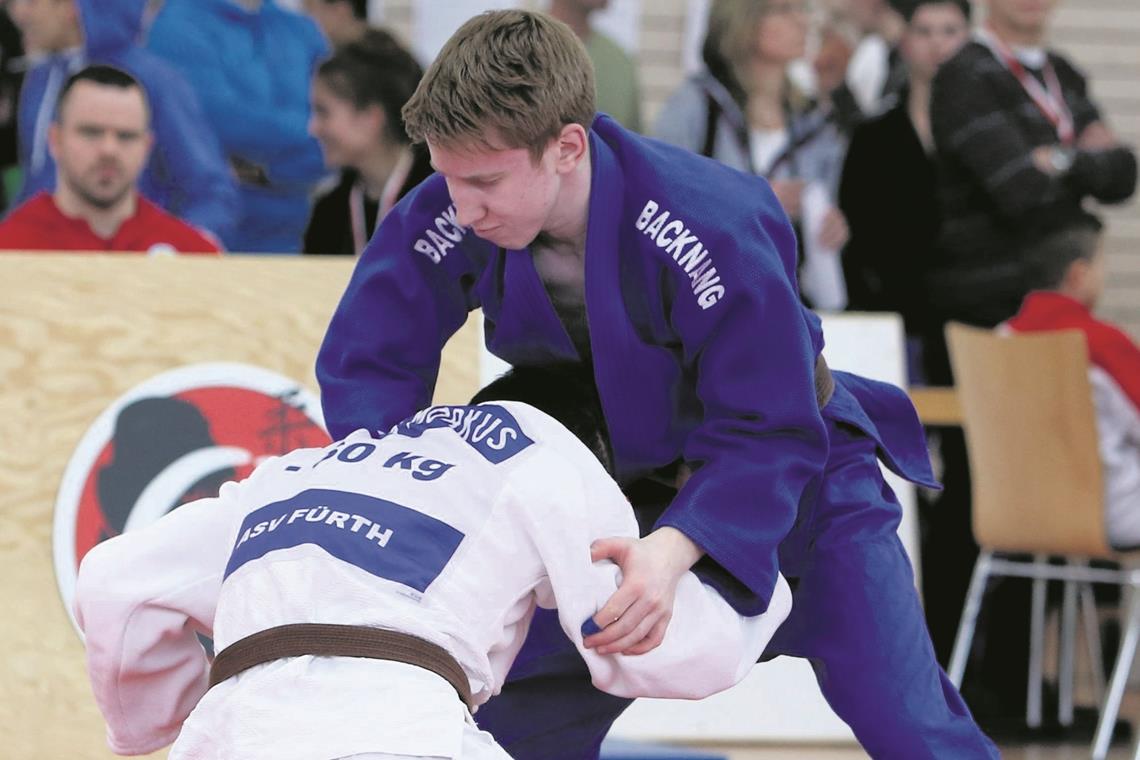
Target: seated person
<point>423,553</point>
<point>357,95</point>
<point>1068,272</point>
<point>100,141</point>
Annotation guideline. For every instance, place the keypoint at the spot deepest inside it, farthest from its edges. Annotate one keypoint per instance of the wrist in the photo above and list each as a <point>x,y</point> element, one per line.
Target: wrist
<point>683,550</point>
<point>1061,159</point>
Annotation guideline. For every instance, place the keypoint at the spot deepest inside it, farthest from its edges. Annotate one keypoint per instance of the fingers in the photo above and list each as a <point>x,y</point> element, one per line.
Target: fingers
<point>608,621</point>
<point>610,548</point>
<point>638,635</point>
<point>653,640</point>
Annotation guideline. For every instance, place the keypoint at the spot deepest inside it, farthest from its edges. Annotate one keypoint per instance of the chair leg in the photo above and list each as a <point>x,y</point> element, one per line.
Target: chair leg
<point>1120,672</point>
<point>1067,654</point>
<point>1036,649</point>
<point>1092,638</point>
<point>969,622</point>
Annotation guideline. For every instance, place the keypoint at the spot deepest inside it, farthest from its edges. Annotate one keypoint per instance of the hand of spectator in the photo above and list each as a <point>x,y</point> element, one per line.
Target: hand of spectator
<point>833,233</point>
<point>248,173</point>
<point>789,192</point>
<point>635,618</point>
<point>1097,136</point>
<point>1043,160</point>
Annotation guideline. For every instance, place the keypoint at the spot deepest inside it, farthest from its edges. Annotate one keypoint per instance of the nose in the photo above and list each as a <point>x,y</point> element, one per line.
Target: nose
<point>468,207</point>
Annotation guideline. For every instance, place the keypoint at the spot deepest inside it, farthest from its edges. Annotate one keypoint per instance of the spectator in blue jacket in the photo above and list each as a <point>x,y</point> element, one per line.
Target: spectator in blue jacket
<point>187,174</point>
<point>252,62</point>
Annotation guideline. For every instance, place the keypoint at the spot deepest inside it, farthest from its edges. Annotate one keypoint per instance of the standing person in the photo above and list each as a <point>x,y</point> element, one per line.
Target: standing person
<point>1020,142</point>
<point>744,111</point>
<point>673,278</point>
<point>187,175</point>
<point>251,63</point>
<point>876,72</point>
<point>99,141</point>
<point>343,22</point>
<point>888,191</point>
<point>386,581</point>
<point>357,96</point>
<point>618,91</point>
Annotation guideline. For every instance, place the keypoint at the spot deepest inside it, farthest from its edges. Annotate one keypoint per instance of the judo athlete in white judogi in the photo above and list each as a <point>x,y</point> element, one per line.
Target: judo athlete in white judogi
<point>448,530</point>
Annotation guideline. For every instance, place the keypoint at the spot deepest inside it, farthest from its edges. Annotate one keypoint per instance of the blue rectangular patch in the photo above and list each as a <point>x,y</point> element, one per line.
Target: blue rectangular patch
<point>489,429</point>
<point>380,537</point>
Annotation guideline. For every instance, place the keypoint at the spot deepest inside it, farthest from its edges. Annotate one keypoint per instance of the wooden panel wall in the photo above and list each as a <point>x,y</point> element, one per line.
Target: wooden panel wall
<point>76,332</point>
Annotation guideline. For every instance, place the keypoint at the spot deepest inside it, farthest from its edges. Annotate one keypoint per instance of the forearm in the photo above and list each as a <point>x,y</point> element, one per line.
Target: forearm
<point>1107,175</point>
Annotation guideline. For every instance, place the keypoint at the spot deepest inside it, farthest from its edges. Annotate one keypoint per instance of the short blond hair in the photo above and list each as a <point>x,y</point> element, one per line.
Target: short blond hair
<point>505,79</point>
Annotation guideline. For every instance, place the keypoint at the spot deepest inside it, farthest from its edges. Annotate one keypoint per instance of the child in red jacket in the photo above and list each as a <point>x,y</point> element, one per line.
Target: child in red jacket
<point>1068,268</point>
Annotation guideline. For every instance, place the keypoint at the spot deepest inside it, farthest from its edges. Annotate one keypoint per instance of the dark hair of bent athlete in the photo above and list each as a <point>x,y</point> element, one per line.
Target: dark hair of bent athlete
<point>566,392</point>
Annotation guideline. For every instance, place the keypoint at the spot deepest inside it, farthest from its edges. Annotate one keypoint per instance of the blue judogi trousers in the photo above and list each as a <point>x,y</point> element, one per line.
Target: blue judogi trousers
<point>856,617</point>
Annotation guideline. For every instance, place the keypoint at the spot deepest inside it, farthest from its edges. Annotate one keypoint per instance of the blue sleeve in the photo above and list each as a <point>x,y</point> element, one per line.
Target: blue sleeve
<point>380,357</point>
<point>202,187</point>
<point>270,136</point>
<point>27,112</point>
<point>761,446</point>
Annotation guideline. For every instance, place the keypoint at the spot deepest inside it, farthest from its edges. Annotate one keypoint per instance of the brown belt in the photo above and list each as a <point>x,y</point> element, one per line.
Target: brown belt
<point>824,382</point>
<point>325,640</point>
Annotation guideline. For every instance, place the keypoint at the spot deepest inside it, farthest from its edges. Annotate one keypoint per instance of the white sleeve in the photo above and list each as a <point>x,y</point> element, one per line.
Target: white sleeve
<point>708,647</point>
<point>141,599</point>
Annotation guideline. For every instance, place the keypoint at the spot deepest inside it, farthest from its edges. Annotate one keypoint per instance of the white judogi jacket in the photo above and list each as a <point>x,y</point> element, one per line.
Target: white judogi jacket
<point>452,528</point>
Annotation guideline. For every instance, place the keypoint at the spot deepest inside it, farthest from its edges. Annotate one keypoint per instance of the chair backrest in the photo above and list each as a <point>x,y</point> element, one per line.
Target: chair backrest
<point>1030,424</point>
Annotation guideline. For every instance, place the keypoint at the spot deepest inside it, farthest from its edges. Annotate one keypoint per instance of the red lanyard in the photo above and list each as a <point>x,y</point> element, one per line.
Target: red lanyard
<point>1051,101</point>
<point>361,235</point>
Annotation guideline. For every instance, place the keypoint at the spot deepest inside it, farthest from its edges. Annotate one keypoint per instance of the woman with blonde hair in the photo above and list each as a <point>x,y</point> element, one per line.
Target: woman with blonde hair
<point>744,111</point>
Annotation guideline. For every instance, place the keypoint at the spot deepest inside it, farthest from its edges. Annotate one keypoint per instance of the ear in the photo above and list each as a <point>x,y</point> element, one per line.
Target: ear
<point>377,116</point>
<point>1077,274</point>
<point>573,146</point>
<point>149,140</point>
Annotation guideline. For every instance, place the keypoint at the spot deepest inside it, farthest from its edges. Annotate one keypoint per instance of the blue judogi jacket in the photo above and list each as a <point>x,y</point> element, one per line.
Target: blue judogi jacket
<point>701,347</point>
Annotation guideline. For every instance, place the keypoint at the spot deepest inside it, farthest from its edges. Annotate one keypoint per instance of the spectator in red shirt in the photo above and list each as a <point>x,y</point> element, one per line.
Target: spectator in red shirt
<point>100,141</point>
<point>1067,270</point>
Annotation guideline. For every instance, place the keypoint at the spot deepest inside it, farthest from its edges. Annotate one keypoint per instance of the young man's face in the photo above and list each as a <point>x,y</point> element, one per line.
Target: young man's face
<point>101,141</point>
<point>504,195</point>
<point>935,33</point>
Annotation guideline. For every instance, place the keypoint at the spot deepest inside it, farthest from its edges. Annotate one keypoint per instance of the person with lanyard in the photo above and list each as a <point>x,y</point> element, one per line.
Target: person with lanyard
<point>744,111</point>
<point>357,95</point>
<point>1020,144</point>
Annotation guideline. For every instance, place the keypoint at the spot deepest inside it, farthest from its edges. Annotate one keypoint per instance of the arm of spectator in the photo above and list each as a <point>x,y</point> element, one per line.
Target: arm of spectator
<point>684,117</point>
<point>973,128</point>
<point>1103,167</point>
<point>203,191</point>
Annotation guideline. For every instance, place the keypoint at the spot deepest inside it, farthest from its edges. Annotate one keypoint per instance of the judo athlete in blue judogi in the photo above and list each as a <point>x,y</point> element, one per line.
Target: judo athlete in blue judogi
<point>675,277</point>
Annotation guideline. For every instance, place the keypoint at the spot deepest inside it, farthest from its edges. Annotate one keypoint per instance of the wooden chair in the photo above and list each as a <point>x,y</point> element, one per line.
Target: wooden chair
<point>1030,426</point>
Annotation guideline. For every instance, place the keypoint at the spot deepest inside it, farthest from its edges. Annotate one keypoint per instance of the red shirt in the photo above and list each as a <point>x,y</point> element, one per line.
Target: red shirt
<point>39,225</point>
<point>1109,347</point>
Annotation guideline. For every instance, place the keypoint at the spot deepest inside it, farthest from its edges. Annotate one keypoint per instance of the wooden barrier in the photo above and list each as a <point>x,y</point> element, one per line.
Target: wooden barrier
<point>79,332</point>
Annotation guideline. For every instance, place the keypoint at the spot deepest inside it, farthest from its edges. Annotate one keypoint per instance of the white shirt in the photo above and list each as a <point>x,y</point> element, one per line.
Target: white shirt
<point>452,528</point>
